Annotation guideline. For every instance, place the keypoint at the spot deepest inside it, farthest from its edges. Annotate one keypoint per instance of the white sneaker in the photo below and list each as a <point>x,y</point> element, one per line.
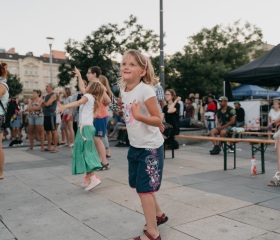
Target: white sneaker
<point>94,181</point>
<point>71,145</point>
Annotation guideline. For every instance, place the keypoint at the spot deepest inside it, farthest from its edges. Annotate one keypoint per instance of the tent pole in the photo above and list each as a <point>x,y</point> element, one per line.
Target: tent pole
<point>224,88</point>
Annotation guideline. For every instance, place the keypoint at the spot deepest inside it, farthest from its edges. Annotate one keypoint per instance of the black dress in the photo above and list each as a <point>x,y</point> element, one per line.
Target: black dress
<point>172,119</point>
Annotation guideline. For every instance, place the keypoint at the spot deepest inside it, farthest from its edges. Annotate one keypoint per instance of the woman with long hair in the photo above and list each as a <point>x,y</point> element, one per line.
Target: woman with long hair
<point>35,119</point>
<point>105,82</point>
<point>67,119</point>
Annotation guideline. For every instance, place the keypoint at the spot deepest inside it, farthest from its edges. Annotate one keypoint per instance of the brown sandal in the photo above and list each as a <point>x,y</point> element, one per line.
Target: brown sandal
<point>148,236</point>
<point>160,220</point>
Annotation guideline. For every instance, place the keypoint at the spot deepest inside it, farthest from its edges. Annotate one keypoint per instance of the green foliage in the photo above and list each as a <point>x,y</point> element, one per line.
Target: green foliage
<point>209,54</point>
<point>102,46</point>
<point>15,86</point>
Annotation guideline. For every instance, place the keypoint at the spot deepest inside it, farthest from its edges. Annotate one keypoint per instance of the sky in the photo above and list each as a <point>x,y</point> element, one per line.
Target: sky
<point>27,23</point>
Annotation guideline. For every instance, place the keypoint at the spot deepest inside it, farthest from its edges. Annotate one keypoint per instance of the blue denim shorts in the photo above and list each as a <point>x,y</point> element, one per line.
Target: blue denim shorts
<point>100,125</point>
<point>145,168</point>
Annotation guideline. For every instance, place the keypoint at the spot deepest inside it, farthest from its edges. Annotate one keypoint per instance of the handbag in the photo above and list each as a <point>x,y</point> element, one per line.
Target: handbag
<point>113,105</point>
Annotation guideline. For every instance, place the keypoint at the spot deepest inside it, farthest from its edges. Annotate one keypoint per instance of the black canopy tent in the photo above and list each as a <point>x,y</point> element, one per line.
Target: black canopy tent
<point>263,71</point>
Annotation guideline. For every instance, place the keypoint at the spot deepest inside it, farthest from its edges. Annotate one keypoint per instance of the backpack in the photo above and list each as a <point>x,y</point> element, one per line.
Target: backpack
<point>5,120</point>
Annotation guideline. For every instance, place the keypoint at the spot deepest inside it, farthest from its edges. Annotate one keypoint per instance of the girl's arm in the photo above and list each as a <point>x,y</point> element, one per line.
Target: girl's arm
<point>155,117</point>
<point>62,108</point>
<point>80,80</point>
<point>105,98</point>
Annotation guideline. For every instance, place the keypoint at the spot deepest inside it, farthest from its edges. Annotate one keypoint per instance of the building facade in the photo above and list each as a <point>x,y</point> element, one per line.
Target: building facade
<point>34,72</point>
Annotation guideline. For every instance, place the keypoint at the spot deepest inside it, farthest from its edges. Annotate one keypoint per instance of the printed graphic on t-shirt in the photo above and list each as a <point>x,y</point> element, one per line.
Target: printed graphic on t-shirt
<point>127,113</point>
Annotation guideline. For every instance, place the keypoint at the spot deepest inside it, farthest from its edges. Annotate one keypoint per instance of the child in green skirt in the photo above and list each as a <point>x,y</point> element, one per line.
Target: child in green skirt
<point>85,158</point>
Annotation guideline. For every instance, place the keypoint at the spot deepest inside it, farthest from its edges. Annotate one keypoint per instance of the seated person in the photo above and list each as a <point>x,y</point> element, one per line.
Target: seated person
<point>226,120</point>
<point>240,114</point>
<point>210,115</point>
<point>122,137</point>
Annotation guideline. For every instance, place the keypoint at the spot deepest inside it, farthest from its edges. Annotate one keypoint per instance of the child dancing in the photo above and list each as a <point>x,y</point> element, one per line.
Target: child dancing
<point>85,158</point>
<point>143,121</point>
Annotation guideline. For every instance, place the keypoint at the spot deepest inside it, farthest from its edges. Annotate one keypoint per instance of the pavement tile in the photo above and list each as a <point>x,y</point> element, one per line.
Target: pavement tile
<point>231,190</point>
<point>273,203</point>
<point>203,199</point>
<point>257,216</point>
<point>25,205</point>
<point>5,234</point>
<point>122,195</point>
<point>180,213</point>
<point>267,236</point>
<point>218,227</point>
<point>109,219</point>
<point>22,156</point>
<point>54,224</point>
<point>169,233</point>
<point>65,195</point>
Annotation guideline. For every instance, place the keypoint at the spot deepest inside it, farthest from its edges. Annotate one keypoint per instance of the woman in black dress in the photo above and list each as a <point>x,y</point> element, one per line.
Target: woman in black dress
<point>171,115</point>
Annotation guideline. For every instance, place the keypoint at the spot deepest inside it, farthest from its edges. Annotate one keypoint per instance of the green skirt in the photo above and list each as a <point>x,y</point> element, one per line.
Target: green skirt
<point>85,157</point>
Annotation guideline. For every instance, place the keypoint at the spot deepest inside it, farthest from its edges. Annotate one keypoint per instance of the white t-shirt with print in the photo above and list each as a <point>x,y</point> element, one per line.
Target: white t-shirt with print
<point>140,134</point>
<point>86,111</point>
<point>274,115</point>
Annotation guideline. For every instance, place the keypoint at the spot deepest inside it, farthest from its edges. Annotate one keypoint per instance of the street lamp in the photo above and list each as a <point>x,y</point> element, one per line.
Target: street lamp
<point>50,41</point>
<point>161,60</point>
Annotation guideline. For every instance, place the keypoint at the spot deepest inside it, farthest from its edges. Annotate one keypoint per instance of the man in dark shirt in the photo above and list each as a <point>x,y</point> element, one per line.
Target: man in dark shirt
<point>226,119</point>
<point>240,114</point>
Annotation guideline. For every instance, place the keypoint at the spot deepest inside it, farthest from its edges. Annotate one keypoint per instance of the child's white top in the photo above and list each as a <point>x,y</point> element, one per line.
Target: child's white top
<point>86,111</point>
<point>140,134</point>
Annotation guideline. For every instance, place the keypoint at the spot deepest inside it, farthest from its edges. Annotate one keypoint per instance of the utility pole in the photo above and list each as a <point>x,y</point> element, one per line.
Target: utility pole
<point>161,61</point>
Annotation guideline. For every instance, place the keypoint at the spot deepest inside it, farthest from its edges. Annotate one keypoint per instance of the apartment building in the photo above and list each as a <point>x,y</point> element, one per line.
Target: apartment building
<point>34,72</point>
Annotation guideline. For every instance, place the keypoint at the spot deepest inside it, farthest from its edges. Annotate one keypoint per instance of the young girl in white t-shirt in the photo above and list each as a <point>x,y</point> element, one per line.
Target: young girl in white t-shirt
<point>143,121</point>
<point>85,158</point>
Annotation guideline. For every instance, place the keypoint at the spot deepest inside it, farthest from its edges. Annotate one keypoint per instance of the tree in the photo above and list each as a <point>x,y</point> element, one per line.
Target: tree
<point>209,54</point>
<point>15,86</point>
<point>103,47</point>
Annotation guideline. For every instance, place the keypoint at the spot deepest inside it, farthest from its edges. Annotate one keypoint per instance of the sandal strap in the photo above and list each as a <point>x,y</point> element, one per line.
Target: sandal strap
<point>162,219</point>
<point>151,237</point>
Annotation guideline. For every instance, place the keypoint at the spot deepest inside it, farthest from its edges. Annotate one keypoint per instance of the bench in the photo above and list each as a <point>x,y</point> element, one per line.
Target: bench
<point>230,143</point>
<point>255,133</point>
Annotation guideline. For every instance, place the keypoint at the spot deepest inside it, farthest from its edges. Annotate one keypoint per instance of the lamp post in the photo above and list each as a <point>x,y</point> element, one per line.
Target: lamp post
<point>50,41</point>
<point>161,60</point>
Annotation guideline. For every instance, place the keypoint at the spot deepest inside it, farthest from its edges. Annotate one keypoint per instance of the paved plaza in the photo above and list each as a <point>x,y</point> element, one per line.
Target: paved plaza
<point>41,200</point>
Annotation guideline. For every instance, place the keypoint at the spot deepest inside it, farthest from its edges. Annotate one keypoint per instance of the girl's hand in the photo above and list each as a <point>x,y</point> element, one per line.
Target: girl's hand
<point>77,72</point>
<point>135,109</point>
<point>60,109</point>
<point>161,128</point>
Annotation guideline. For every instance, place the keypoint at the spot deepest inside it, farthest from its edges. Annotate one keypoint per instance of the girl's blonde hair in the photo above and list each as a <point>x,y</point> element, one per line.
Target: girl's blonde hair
<point>144,62</point>
<point>97,90</point>
<point>105,82</point>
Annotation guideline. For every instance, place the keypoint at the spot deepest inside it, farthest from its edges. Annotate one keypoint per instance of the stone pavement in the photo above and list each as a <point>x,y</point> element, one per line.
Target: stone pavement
<point>40,199</point>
